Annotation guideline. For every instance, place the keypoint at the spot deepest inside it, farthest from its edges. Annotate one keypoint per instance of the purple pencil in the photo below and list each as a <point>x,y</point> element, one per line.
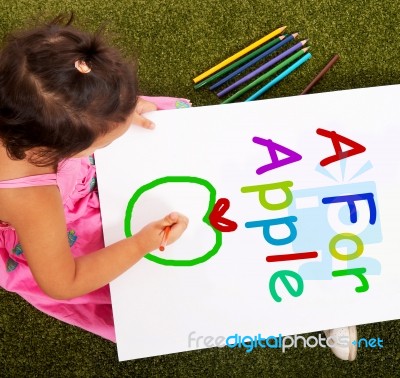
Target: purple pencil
<point>262,68</point>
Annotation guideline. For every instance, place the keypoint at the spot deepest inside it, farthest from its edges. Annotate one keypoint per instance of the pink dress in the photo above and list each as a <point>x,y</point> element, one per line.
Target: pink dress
<point>76,180</point>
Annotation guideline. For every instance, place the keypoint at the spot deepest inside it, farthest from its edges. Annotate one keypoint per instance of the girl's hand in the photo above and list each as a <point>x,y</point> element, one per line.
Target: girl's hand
<point>143,106</point>
<point>149,238</point>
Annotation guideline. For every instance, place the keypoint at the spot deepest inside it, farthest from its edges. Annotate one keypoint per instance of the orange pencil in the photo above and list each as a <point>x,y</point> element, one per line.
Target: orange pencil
<point>164,239</point>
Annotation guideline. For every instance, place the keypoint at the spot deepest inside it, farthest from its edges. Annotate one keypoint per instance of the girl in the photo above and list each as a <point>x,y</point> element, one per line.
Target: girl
<point>64,94</point>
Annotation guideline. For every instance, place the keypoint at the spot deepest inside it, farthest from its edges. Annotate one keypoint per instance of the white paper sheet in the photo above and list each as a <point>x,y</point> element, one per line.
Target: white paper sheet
<point>174,300</point>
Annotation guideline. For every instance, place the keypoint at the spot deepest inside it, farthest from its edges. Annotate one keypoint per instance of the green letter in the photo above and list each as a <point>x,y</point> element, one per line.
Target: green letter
<point>282,274</point>
<point>262,195</point>
<point>358,272</point>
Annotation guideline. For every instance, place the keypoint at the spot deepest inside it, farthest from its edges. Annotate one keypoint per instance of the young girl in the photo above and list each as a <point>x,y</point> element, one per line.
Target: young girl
<point>64,94</point>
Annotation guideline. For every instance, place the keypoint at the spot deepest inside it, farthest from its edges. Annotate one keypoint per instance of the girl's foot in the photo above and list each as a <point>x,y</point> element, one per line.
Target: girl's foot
<point>343,342</point>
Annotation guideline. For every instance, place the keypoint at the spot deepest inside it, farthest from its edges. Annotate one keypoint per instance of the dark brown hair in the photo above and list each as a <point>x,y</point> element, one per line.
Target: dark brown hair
<point>48,104</point>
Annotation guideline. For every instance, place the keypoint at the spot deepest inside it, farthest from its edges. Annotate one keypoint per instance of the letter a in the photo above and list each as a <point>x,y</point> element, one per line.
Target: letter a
<point>340,154</point>
<point>273,147</point>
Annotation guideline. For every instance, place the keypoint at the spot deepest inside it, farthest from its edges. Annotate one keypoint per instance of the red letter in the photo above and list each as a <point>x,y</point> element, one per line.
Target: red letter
<point>340,154</point>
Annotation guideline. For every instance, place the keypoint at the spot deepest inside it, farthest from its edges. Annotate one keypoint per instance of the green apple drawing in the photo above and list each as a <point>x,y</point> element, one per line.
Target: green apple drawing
<point>200,243</point>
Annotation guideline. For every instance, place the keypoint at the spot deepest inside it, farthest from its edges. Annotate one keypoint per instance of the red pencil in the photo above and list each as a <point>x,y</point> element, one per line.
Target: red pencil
<point>164,239</point>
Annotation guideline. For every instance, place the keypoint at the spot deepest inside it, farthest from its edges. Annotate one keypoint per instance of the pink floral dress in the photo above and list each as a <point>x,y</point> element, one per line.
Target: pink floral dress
<point>76,180</point>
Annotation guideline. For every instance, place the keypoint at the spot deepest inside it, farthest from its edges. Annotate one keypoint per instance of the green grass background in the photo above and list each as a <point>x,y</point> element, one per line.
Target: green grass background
<point>175,41</point>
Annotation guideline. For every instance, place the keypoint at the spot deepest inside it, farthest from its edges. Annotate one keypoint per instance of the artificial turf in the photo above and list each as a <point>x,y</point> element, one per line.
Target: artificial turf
<point>174,42</point>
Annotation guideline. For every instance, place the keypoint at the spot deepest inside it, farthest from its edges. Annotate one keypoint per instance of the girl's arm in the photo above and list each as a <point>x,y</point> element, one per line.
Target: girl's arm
<point>37,214</point>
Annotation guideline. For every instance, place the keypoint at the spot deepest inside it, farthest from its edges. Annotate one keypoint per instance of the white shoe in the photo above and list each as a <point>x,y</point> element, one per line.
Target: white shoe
<point>343,342</point>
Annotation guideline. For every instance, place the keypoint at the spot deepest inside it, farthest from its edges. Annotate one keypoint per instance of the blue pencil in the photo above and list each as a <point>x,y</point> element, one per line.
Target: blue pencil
<point>281,76</point>
<point>262,68</point>
<point>254,61</point>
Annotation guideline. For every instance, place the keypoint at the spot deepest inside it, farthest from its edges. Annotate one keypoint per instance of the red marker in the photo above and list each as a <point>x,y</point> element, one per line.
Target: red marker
<point>164,239</point>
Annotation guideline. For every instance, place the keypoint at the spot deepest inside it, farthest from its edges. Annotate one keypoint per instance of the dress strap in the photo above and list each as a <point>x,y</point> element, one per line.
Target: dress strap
<point>24,182</point>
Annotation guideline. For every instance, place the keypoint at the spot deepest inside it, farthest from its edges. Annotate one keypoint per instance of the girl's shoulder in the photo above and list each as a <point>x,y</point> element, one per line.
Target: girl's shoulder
<point>18,181</point>
<point>26,203</point>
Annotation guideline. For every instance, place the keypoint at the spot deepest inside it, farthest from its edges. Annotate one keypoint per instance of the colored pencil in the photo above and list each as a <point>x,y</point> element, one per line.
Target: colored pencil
<point>262,68</point>
<point>321,74</point>
<point>240,61</point>
<point>164,240</point>
<point>254,61</point>
<point>239,54</point>
<point>280,77</point>
<point>266,75</point>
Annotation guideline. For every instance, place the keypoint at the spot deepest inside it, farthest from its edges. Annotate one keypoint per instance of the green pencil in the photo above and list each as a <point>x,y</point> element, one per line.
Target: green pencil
<point>240,61</point>
<point>266,75</point>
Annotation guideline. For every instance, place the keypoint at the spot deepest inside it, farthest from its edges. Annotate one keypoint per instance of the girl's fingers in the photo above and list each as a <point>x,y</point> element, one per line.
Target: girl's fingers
<point>143,122</point>
<point>175,218</point>
<point>144,106</point>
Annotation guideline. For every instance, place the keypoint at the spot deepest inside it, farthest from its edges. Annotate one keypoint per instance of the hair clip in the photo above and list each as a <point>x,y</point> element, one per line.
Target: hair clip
<point>82,67</point>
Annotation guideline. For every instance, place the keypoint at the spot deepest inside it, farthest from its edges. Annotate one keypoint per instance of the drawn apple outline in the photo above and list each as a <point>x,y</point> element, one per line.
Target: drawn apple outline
<point>206,219</point>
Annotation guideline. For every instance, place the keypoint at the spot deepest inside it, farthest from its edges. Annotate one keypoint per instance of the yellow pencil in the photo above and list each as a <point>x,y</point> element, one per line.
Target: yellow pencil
<point>239,54</point>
